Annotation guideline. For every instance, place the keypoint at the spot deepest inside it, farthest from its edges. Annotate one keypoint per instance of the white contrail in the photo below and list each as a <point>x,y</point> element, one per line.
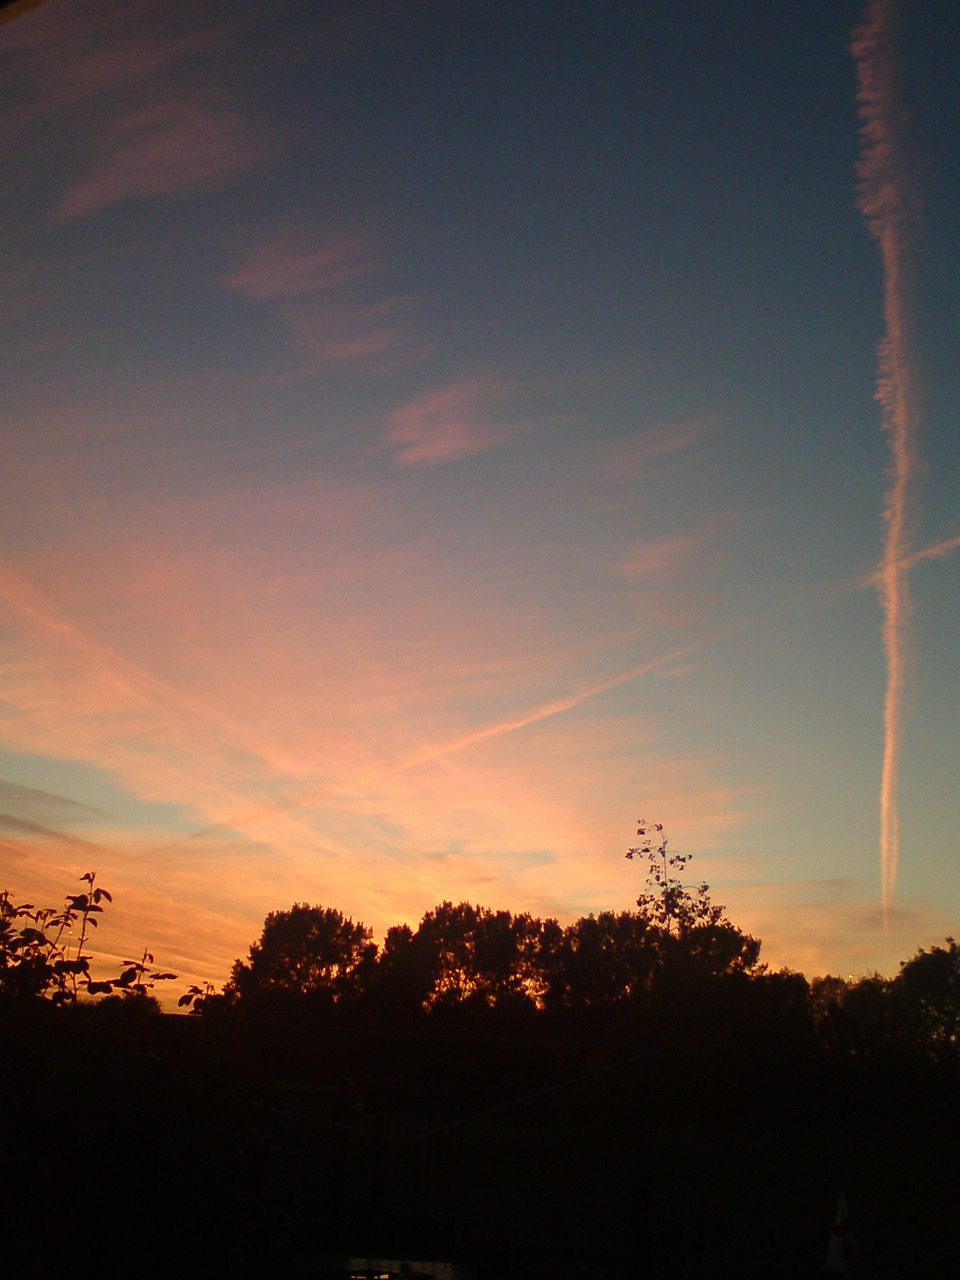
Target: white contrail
<point>887,204</point>
<point>545,710</point>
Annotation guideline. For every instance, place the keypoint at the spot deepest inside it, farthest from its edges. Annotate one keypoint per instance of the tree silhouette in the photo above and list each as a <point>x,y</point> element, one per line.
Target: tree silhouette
<point>605,960</point>
<point>307,951</point>
<point>927,996</point>
<point>691,925</point>
<point>468,954</point>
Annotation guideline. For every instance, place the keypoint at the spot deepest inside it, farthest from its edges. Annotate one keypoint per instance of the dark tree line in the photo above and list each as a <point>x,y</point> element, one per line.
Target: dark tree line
<point>677,961</point>
<point>473,966</point>
<point>471,958</point>
<point>477,1086</point>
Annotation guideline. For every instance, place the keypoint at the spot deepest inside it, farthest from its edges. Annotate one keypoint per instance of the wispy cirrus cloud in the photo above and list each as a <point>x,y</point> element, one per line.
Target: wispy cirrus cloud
<point>139,650</point>
<point>372,335</point>
<point>672,577</point>
<point>556,707</point>
<point>330,292</point>
<point>283,269</point>
<point>446,425</point>
<point>635,456</point>
<point>82,51</point>
<point>168,148</point>
<point>37,805</point>
<point>660,558</point>
<point>135,84</point>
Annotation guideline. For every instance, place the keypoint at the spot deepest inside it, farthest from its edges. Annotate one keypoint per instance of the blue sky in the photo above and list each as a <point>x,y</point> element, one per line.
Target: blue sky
<point>437,435</point>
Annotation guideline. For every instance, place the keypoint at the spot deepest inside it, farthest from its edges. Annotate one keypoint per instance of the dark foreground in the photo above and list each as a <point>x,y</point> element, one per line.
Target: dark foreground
<point>237,1148</point>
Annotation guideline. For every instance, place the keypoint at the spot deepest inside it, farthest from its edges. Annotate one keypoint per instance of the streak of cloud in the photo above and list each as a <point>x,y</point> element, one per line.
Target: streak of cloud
<point>145,119</point>
<point>23,826</point>
<point>92,678</point>
<point>445,425</point>
<point>35,804</point>
<point>936,551</point>
<point>825,595</point>
<point>280,270</point>
<point>635,457</point>
<point>166,149</point>
<point>887,204</point>
<point>660,558</point>
<point>557,707</point>
<point>330,295</point>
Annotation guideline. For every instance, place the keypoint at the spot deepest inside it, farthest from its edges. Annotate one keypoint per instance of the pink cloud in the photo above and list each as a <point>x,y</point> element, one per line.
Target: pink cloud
<point>279,271</point>
<point>98,70</point>
<point>633,458</point>
<point>660,558</point>
<point>545,711</point>
<point>265,656</point>
<point>143,654</point>
<point>134,84</point>
<point>325,294</point>
<point>73,53</point>
<point>343,332</point>
<point>165,149</point>
<point>443,426</point>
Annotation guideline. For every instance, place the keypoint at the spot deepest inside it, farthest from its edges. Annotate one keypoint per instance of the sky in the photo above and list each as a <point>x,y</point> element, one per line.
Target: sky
<point>438,433</point>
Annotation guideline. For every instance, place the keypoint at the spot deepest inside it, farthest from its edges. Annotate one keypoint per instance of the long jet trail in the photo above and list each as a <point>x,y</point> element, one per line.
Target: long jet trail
<point>887,204</point>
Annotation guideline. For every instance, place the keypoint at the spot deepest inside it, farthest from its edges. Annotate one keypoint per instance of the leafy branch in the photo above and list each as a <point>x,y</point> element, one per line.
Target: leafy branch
<point>668,903</point>
<point>196,996</point>
<point>39,957</point>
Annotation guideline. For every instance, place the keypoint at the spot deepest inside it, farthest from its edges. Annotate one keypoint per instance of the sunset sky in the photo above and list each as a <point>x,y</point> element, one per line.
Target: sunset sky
<point>437,433</point>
